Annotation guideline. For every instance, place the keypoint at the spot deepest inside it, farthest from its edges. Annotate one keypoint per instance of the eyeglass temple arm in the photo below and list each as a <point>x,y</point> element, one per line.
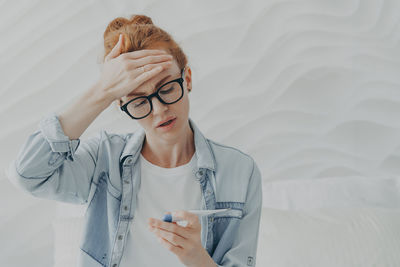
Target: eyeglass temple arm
<point>183,72</point>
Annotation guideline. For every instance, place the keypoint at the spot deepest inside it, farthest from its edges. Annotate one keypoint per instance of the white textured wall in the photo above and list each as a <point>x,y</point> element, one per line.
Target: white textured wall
<point>310,89</point>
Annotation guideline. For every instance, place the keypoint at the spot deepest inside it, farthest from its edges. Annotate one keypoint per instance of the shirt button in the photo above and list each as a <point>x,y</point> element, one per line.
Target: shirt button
<point>126,181</point>
<point>129,160</point>
<point>120,237</point>
<point>125,207</point>
<point>114,265</point>
<point>199,174</point>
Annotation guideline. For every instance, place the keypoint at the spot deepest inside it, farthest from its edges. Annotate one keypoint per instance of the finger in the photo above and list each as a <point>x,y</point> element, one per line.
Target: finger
<point>116,51</point>
<point>173,238</point>
<point>174,249</point>
<point>144,68</point>
<point>132,64</point>
<point>170,227</point>
<point>143,75</point>
<point>144,52</point>
<point>146,75</point>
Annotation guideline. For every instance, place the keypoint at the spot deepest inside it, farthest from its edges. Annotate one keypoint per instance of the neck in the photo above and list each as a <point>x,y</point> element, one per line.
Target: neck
<point>169,153</point>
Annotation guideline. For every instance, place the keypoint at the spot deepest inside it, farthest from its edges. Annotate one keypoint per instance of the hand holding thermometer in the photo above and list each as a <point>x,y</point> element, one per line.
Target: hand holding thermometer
<point>170,218</point>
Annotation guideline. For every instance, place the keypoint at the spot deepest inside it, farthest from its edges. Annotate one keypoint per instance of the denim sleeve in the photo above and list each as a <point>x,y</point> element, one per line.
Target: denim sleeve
<point>50,165</point>
<point>244,248</point>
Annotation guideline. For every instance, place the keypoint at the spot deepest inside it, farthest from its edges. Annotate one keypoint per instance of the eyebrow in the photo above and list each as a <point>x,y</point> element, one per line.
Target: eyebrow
<point>157,86</point>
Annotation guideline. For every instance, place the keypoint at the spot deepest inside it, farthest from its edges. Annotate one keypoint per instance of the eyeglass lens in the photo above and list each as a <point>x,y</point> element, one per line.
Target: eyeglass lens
<point>169,93</point>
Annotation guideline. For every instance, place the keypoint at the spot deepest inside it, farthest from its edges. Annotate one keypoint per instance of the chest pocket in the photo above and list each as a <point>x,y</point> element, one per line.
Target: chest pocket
<point>236,210</point>
<point>226,224</point>
<point>233,213</point>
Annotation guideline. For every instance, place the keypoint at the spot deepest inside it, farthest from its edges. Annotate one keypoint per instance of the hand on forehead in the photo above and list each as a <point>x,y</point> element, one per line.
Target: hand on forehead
<point>150,85</point>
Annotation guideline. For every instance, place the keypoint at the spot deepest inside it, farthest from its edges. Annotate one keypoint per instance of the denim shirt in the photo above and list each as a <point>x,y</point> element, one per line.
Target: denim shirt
<point>104,174</point>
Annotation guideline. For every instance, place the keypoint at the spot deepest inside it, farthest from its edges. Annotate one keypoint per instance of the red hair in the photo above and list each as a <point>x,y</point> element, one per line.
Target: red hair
<point>140,33</point>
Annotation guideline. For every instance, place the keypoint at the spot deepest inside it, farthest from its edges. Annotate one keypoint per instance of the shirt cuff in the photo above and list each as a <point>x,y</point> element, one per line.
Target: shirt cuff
<point>51,129</point>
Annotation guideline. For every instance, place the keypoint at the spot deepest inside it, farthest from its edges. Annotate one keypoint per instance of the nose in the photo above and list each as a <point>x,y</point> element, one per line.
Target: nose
<point>158,107</point>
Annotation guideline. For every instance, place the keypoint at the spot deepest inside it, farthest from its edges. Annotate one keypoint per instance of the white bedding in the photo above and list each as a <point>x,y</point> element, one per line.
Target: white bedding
<point>341,192</point>
<point>330,237</point>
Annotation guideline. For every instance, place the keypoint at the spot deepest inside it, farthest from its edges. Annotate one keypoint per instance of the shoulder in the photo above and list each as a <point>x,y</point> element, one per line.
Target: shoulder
<point>233,167</point>
<point>110,142</point>
<point>106,136</point>
<point>231,156</point>
<point>233,172</point>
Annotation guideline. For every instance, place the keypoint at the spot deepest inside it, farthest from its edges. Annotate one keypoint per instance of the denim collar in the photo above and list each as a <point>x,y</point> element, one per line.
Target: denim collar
<point>204,154</point>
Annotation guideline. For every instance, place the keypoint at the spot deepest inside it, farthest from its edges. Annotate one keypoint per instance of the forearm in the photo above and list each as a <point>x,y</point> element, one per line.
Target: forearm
<point>206,261</point>
<point>209,262</point>
<point>77,117</point>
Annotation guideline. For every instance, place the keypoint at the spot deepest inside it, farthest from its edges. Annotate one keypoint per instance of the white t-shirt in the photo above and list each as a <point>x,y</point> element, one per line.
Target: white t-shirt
<point>161,190</point>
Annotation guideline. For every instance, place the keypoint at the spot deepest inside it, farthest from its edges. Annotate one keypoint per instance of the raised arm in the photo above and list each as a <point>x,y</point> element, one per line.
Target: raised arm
<point>53,162</point>
<point>49,163</point>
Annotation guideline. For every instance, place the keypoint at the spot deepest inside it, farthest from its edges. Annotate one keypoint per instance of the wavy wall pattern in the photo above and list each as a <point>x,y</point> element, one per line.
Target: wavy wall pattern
<point>310,89</point>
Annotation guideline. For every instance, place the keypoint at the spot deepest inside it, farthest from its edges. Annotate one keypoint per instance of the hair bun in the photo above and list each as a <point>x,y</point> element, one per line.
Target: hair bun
<point>117,23</point>
<point>141,20</point>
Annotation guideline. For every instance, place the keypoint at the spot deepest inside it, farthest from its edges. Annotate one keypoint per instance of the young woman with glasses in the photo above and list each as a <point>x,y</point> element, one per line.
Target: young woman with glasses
<point>129,181</point>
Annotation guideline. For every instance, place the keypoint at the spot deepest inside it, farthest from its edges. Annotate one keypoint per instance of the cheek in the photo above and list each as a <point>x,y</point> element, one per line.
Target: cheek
<point>146,123</point>
<point>186,102</point>
<point>182,106</point>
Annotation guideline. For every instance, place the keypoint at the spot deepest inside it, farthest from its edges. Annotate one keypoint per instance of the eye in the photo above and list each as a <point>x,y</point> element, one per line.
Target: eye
<point>167,91</point>
<point>141,103</point>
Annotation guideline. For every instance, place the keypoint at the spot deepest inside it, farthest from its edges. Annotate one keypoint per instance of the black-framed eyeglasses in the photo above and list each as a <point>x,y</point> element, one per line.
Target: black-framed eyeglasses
<point>168,93</point>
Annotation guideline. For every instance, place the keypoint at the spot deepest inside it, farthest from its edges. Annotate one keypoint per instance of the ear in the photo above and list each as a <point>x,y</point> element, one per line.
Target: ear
<point>188,78</point>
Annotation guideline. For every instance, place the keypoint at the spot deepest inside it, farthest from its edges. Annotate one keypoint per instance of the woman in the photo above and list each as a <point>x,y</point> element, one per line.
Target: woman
<point>130,180</point>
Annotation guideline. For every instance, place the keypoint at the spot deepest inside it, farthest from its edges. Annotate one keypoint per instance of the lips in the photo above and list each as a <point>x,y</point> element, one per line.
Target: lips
<point>168,119</point>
